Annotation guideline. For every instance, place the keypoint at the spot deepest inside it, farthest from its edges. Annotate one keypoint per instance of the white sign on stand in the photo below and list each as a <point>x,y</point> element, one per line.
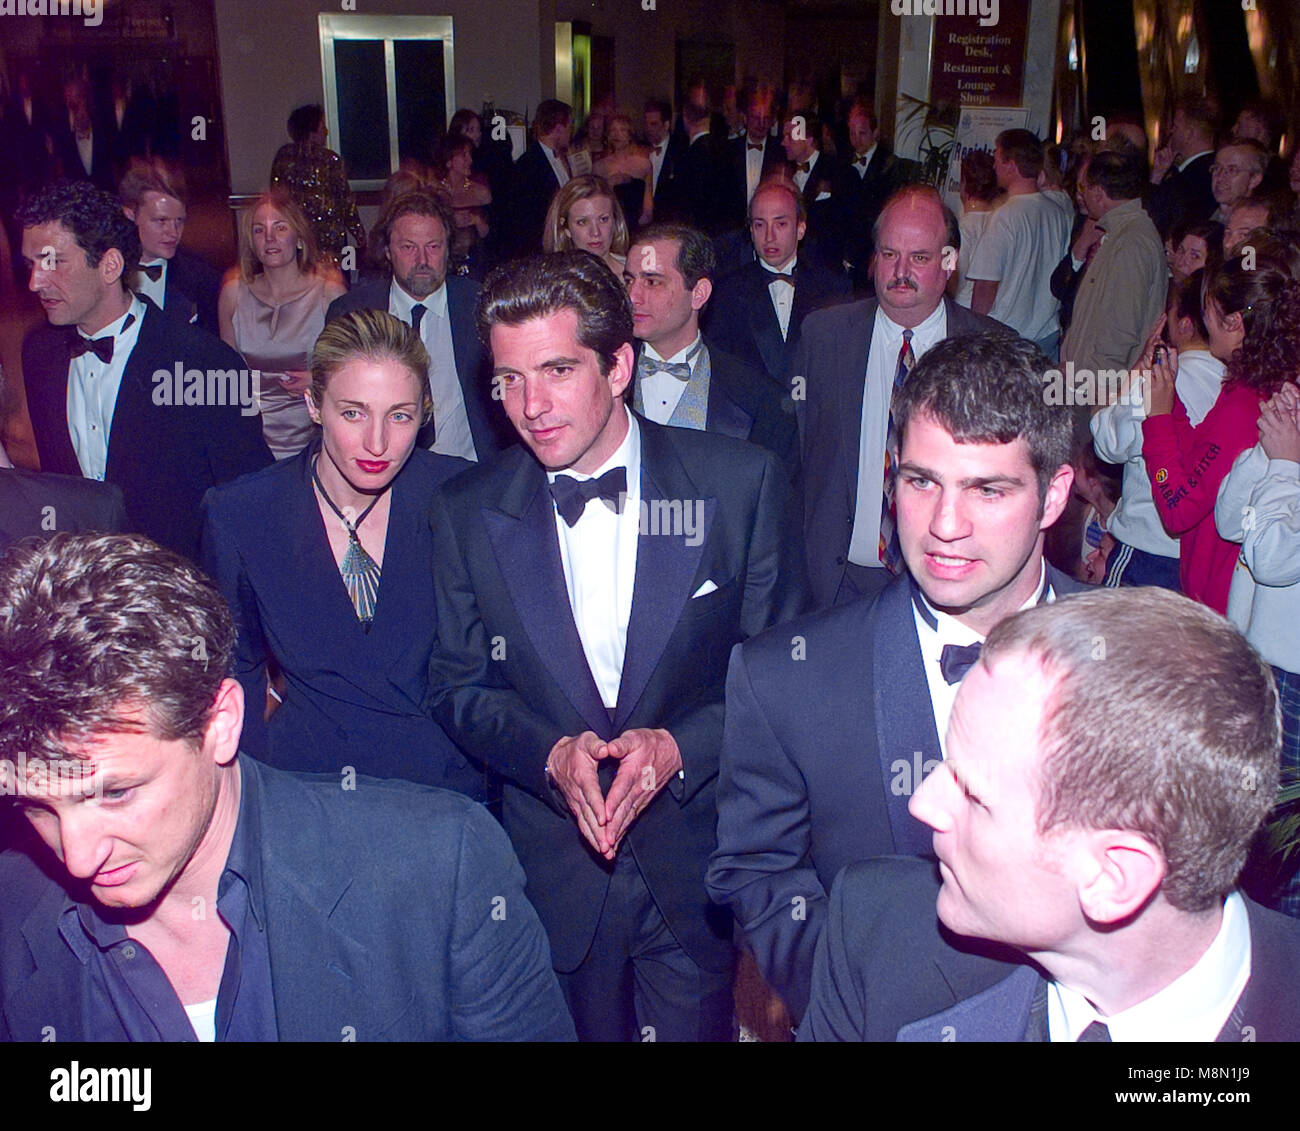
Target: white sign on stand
<point>977,128</point>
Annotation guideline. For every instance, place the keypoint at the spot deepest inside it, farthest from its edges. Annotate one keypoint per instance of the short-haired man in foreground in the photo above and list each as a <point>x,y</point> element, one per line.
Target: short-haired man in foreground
<point>1093,814</point>
<point>202,895</point>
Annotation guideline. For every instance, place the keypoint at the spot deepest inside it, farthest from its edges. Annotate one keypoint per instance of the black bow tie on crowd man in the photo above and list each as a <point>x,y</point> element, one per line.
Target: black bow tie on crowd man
<point>957,659</point>
<point>153,270</point>
<point>572,495</point>
<point>753,145</point>
<point>102,348</point>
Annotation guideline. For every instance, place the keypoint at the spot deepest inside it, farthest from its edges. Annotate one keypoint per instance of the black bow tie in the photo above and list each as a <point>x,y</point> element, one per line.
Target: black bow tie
<point>153,270</point>
<point>572,495</point>
<point>102,348</point>
<point>779,277</point>
<point>656,149</point>
<point>957,659</point>
<point>803,166</point>
<point>753,145</point>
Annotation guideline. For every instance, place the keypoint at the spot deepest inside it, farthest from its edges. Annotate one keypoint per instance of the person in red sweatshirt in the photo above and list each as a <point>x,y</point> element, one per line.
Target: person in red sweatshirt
<point>1253,317</point>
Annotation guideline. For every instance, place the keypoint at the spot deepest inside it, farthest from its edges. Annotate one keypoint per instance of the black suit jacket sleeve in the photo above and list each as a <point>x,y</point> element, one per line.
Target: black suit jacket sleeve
<point>837,1007</point>
<point>220,559</point>
<point>468,695</point>
<point>767,876</point>
<point>775,592</point>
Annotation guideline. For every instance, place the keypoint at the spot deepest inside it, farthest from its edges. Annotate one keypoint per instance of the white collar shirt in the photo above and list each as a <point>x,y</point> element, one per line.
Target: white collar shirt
<point>801,176</point>
<point>155,292</point>
<point>945,630</point>
<point>863,163</point>
<point>782,293</point>
<point>1193,1007</point>
<point>656,162</point>
<point>450,417</point>
<point>93,386</point>
<point>754,166</point>
<point>598,553</point>
<point>660,392</point>
<point>878,390</point>
<point>557,164</point>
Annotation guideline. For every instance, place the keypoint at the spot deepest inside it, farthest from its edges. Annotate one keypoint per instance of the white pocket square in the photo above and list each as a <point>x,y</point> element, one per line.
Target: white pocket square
<point>704,590</point>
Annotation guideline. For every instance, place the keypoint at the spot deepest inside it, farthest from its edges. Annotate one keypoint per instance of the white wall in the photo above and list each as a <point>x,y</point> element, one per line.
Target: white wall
<point>270,63</point>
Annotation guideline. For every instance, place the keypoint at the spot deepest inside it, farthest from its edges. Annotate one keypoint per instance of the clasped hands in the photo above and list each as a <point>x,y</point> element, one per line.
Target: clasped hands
<point>647,761</point>
<point>1279,424</point>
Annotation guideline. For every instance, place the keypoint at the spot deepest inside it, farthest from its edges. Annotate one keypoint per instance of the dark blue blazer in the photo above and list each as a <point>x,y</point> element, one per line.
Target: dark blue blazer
<point>351,697</point>
<point>162,456</point>
<point>37,504</point>
<point>191,294</point>
<point>488,423</point>
<point>741,319</point>
<point>888,971</point>
<point>379,906</point>
<point>509,677</point>
<point>829,726</point>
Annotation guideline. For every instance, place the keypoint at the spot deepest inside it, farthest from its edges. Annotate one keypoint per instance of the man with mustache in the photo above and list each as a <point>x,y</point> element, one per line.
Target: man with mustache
<point>850,360</point>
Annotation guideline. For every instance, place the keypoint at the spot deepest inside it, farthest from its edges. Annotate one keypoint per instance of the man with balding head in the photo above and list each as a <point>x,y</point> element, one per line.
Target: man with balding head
<point>756,310</point>
<point>1238,171</point>
<point>849,360</point>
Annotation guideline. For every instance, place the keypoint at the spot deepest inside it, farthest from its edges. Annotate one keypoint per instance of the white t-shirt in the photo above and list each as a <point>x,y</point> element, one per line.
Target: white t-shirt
<point>973,225</point>
<point>1020,249</point>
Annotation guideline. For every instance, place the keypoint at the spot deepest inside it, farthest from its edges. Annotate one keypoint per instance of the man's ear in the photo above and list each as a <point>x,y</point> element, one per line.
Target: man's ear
<point>620,374</point>
<point>1233,322</point>
<point>225,723</point>
<point>112,264</point>
<point>128,212</point>
<point>700,294</point>
<point>1057,495</point>
<point>1117,873</point>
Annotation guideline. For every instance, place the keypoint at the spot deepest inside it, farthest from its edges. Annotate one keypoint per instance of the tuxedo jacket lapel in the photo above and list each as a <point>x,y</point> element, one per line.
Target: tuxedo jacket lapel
<point>47,399</point>
<point>851,390</point>
<point>1000,1013</point>
<point>765,325</point>
<point>522,533</point>
<point>128,433</point>
<point>53,996</point>
<point>666,568</point>
<point>904,715</point>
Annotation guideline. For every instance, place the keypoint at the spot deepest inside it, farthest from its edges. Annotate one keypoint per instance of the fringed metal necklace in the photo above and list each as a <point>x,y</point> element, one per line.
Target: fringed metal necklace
<point>360,571</point>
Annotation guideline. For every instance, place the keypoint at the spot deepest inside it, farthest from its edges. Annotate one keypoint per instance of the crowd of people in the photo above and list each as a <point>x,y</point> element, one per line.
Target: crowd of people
<point>714,513</point>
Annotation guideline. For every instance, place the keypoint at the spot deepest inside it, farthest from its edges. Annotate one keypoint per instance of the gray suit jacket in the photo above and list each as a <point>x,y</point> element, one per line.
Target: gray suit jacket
<point>832,358</point>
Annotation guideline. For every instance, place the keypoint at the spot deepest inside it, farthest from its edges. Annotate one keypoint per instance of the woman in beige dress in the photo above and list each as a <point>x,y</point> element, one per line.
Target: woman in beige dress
<point>272,309</point>
<point>627,167</point>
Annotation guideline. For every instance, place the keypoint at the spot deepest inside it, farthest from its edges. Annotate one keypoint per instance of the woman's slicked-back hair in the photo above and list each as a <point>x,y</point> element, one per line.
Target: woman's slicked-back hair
<point>543,285</point>
<point>95,626</point>
<point>369,335</point>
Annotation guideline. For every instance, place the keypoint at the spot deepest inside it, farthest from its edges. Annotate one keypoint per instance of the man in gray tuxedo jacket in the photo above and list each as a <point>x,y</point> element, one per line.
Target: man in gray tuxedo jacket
<point>832,721</point>
<point>1091,819</point>
<point>175,890</point>
<point>848,361</point>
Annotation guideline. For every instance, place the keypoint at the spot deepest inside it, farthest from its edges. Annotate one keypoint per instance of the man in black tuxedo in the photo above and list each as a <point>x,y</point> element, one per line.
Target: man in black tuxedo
<point>698,194</point>
<point>682,377</point>
<point>752,156</point>
<point>181,285</point>
<point>849,359</point>
<point>657,119</point>
<point>817,176</point>
<point>541,170</point>
<point>413,232</point>
<point>1092,819</point>
<point>756,311</point>
<point>866,182</point>
<point>36,504</point>
<point>1181,169</point>
<point>83,142</point>
<point>833,720</point>
<point>590,585</point>
<point>177,399</point>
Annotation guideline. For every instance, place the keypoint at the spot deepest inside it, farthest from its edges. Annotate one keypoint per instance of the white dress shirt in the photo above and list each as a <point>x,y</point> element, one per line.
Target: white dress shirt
<point>452,436</point>
<point>86,150</point>
<point>949,630</point>
<point>782,293</point>
<point>92,392</point>
<point>800,177</point>
<point>753,168</point>
<point>882,362</point>
<point>557,164</point>
<point>154,292</point>
<point>1193,1007</point>
<point>660,392</point>
<point>599,557</point>
<point>863,163</point>
<point>656,163</point>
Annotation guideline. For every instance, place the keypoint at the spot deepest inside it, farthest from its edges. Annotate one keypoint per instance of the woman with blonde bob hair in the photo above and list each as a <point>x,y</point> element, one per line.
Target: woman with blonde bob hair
<point>324,559</point>
<point>271,309</point>
<point>585,216</point>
